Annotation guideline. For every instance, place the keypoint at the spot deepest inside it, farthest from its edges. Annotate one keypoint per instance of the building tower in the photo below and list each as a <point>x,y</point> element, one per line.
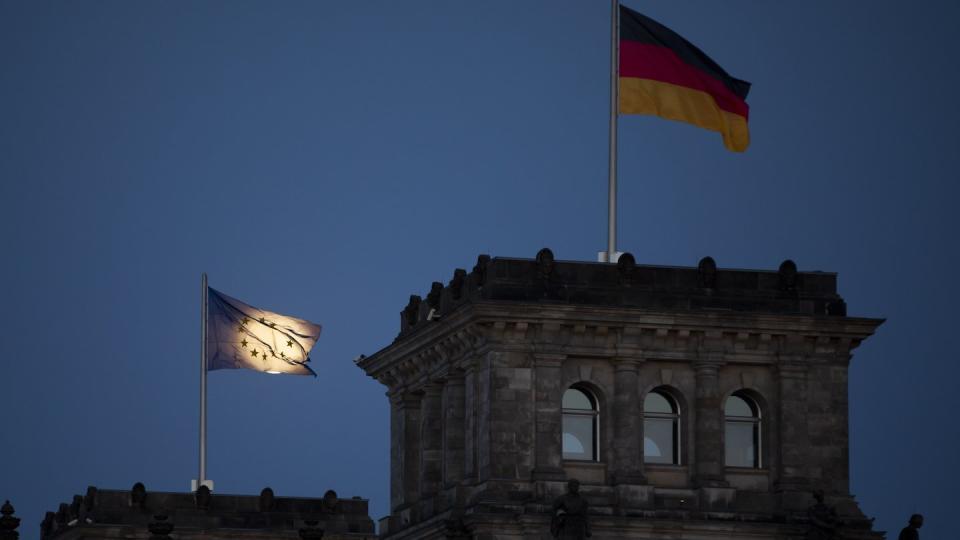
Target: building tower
<point>688,402</point>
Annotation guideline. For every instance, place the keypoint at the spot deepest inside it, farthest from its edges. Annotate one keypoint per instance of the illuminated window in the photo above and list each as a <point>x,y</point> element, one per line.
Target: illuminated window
<point>742,435</point>
<point>661,429</point>
<point>579,425</point>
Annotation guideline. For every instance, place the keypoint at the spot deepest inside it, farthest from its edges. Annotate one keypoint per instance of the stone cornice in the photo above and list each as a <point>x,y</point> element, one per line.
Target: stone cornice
<point>549,328</point>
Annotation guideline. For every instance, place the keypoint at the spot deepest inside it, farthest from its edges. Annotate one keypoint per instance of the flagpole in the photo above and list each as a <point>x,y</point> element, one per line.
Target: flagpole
<point>614,99</point>
<point>203,381</point>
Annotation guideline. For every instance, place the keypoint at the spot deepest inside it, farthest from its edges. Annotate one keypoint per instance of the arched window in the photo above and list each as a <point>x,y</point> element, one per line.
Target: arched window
<point>742,438</point>
<point>579,425</point>
<point>661,429</point>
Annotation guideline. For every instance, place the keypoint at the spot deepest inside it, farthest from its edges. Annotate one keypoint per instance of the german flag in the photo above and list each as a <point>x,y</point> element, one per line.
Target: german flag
<point>665,75</point>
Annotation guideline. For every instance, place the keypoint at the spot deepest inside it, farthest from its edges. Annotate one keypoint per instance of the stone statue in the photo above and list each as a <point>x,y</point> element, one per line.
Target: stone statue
<point>8,522</point>
<point>823,519</point>
<point>910,532</point>
<point>569,520</point>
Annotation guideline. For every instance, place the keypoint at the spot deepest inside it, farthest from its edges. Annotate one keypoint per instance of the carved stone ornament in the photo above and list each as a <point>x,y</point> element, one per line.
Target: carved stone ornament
<point>90,499</point>
<point>160,527</point>
<point>411,313</point>
<point>625,265</point>
<point>545,263</point>
<point>329,502</point>
<point>267,501</point>
<point>138,495</point>
<point>433,297</point>
<point>788,276</point>
<point>480,269</point>
<point>456,284</point>
<point>311,531</point>
<point>707,273</point>
<point>203,497</point>
<point>63,513</point>
<point>48,525</point>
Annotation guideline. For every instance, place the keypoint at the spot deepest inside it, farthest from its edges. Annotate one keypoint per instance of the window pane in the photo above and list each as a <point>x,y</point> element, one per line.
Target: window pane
<point>737,406</point>
<point>575,399</point>
<point>656,403</point>
<point>658,440</point>
<point>577,437</point>
<point>740,444</point>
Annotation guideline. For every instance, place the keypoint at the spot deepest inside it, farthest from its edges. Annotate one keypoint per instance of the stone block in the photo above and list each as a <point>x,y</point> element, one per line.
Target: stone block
<point>635,496</point>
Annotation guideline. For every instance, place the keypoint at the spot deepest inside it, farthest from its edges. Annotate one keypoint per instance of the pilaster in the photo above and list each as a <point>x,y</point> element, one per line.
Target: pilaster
<point>627,424</point>
<point>548,453</point>
<point>708,444</point>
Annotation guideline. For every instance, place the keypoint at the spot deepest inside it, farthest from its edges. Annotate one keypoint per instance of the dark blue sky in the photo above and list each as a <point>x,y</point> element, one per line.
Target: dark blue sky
<point>328,159</point>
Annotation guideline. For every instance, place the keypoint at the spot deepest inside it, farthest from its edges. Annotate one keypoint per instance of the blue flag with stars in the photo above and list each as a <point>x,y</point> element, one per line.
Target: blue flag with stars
<point>240,336</point>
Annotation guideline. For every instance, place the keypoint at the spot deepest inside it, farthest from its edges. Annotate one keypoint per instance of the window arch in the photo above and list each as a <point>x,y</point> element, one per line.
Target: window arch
<point>580,424</point>
<point>661,428</point>
<point>742,431</point>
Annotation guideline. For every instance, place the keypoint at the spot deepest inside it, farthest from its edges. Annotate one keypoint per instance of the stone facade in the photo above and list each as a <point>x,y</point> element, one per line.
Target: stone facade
<point>477,377</point>
<point>138,514</point>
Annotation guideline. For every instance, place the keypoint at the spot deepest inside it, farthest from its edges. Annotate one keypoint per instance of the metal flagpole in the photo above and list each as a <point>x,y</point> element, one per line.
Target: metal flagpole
<point>614,106</point>
<point>203,381</point>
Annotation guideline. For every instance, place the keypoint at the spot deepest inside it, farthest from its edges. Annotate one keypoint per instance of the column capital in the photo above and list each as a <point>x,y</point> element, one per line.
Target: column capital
<point>433,388</point>
<point>407,400</point>
<point>454,378</point>
<point>707,367</point>
<point>791,370</point>
<point>622,363</point>
<point>548,359</point>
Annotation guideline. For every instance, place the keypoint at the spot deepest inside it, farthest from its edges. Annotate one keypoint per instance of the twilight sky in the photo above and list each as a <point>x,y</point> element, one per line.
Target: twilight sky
<point>328,159</point>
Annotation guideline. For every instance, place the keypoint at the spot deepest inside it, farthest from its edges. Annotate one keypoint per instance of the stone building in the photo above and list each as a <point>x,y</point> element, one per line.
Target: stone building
<point>138,514</point>
<point>689,402</point>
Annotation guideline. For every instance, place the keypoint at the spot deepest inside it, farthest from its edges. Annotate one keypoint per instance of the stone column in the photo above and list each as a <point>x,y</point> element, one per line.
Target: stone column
<point>431,442</point>
<point>548,442</point>
<point>627,424</point>
<point>406,445</point>
<point>470,442</point>
<point>710,453</point>
<point>453,429</point>
<point>793,435</point>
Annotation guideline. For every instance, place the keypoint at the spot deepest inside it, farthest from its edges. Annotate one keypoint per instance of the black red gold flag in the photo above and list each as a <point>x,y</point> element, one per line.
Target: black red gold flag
<point>665,75</point>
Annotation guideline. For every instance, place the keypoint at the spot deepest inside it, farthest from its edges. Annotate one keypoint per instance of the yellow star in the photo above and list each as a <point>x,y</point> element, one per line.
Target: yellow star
<point>282,355</point>
<point>243,343</point>
<point>263,321</point>
<point>240,328</point>
<point>245,321</point>
<point>254,353</point>
<point>289,343</point>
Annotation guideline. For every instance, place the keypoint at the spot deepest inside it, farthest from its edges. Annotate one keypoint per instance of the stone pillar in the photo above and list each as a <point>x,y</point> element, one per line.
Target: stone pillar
<point>431,441</point>
<point>548,442</point>
<point>406,444</point>
<point>396,451</point>
<point>627,424</point>
<point>710,453</point>
<point>453,429</point>
<point>470,442</point>
<point>793,436</point>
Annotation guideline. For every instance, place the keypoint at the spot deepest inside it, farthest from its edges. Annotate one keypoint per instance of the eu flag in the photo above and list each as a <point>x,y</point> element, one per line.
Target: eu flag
<point>240,336</point>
